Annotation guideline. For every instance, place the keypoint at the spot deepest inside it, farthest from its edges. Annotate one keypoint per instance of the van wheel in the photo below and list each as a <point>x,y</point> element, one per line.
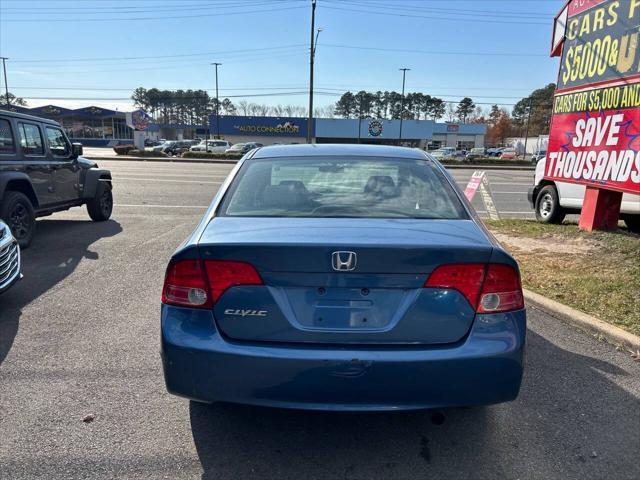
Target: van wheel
<point>101,206</point>
<point>17,212</point>
<point>632,222</point>
<point>548,209</point>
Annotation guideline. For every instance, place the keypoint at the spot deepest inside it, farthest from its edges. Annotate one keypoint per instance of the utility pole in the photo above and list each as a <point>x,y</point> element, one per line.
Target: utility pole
<point>6,86</point>
<point>312,53</point>
<point>215,64</point>
<point>404,74</point>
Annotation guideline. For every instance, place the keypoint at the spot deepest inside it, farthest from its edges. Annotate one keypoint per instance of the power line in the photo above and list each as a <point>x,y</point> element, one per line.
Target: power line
<point>280,47</point>
<point>437,52</point>
<point>422,9</point>
<point>159,57</point>
<point>129,10</point>
<point>128,19</point>
<point>414,16</point>
<point>166,67</point>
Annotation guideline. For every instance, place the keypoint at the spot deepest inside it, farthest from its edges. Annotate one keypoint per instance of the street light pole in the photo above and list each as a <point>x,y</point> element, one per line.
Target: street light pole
<point>217,102</point>
<point>6,86</point>
<point>360,119</point>
<point>312,52</point>
<point>526,134</point>
<point>404,74</point>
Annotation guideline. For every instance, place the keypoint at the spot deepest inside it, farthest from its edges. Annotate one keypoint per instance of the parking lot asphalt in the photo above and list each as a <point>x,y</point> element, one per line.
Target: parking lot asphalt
<point>79,335</point>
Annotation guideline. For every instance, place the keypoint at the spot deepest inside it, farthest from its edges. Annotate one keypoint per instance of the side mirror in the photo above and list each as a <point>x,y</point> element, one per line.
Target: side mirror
<point>76,150</point>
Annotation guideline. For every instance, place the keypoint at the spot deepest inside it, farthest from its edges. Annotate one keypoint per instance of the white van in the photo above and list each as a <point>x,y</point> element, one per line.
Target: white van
<point>553,200</point>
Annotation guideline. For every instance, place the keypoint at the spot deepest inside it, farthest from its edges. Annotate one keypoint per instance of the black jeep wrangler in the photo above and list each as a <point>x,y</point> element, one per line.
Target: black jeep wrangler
<point>41,172</point>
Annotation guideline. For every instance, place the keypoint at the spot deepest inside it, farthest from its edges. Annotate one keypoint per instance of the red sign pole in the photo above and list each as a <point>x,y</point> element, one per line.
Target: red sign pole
<point>600,209</point>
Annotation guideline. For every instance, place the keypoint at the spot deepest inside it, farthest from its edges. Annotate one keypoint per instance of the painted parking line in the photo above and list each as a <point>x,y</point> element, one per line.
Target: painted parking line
<point>160,206</point>
<point>201,182</point>
<point>196,175</point>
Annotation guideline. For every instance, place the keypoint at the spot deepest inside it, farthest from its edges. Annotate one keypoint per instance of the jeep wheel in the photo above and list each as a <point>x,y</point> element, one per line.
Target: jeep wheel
<point>17,212</point>
<point>548,209</point>
<point>632,222</point>
<point>101,206</point>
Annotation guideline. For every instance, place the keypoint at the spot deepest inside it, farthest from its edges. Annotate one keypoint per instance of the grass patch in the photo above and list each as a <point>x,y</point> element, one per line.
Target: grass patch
<point>597,273</point>
<point>146,153</point>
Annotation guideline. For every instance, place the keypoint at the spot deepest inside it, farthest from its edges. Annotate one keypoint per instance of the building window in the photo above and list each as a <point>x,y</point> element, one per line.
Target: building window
<point>466,144</point>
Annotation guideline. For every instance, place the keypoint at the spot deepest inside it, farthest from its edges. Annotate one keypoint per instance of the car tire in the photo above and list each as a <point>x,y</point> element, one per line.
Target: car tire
<point>101,206</point>
<point>17,212</point>
<point>632,222</point>
<point>548,209</point>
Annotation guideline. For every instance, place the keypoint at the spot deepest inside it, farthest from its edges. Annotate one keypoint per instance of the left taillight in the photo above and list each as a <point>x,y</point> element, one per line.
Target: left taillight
<point>185,285</point>
<point>199,284</point>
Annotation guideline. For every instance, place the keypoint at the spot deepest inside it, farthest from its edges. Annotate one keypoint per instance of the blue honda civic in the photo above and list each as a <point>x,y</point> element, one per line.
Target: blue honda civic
<point>342,277</point>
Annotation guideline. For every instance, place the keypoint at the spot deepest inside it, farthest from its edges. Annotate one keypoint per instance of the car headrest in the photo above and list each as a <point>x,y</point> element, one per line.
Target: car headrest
<point>283,196</point>
<point>380,184</point>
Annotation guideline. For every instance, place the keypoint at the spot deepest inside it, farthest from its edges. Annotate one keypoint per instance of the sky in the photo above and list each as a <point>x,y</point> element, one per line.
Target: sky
<point>76,53</point>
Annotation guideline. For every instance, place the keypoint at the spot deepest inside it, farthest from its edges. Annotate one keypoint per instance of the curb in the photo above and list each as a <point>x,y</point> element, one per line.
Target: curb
<point>124,158</point>
<point>611,333</point>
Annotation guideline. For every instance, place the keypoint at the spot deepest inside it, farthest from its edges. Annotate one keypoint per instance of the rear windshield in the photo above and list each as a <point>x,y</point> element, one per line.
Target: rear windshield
<point>336,187</point>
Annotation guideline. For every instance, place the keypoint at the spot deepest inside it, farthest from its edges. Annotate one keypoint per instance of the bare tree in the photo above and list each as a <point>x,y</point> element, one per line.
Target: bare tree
<point>451,112</point>
<point>328,111</point>
<point>263,110</point>
<point>243,106</point>
<point>253,109</point>
<point>278,110</point>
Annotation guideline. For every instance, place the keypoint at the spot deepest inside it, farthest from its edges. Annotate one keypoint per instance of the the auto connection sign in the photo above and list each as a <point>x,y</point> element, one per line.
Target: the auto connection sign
<point>595,130</point>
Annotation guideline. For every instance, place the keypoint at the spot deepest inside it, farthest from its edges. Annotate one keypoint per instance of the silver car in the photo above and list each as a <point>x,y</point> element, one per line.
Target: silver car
<point>9,258</point>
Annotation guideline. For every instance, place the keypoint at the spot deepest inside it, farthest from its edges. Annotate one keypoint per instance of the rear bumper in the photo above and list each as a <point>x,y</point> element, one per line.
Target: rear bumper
<point>485,368</point>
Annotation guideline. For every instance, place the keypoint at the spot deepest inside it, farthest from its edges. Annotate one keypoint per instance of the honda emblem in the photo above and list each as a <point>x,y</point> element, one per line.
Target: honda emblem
<point>343,261</point>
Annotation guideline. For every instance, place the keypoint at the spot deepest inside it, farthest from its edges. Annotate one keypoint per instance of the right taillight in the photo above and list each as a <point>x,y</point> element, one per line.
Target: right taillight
<point>501,291</point>
<point>199,284</point>
<point>488,288</point>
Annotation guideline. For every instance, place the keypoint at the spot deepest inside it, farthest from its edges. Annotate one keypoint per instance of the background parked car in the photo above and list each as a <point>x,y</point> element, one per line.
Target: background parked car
<point>9,258</point>
<point>538,155</point>
<point>444,152</point>
<point>179,147</point>
<point>164,147</point>
<point>494,152</point>
<point>508,153</point>
<point>478,152</point>
<point>212,146</point>
<point>242,148</point>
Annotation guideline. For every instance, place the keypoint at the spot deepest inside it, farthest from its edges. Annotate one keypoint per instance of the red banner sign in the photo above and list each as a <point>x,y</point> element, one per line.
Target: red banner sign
<point>595,128</point>
<point>600,150</point>
<point>578,6</point>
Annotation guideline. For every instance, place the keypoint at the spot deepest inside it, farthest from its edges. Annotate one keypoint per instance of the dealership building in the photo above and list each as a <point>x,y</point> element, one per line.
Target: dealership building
<point>96,126</point>
<point>416,133</point>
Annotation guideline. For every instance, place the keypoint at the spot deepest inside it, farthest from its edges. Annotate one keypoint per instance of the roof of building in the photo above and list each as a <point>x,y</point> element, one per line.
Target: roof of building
<point>24,116</point>
<point>328,149</point>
